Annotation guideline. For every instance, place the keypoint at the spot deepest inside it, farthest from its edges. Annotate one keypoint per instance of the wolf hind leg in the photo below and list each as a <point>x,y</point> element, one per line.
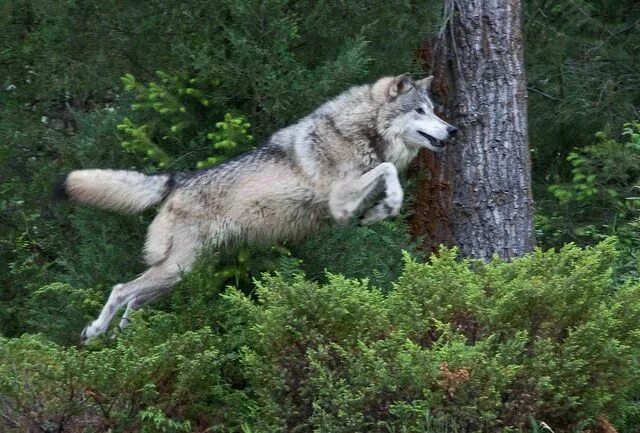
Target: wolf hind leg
<point>139,301</point>
<point>160,277</point>
<point>150,294</point>
<point>152,283</point>
<point>348,198</point>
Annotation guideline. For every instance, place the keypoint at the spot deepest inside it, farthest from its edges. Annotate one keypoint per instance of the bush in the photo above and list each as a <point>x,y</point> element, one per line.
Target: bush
<point>455,345</point>
<point>373,252</point>
<point>601,199</point>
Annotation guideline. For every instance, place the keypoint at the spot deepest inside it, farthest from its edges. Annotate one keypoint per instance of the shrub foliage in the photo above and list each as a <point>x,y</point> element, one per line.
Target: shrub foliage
<point>454,345</point>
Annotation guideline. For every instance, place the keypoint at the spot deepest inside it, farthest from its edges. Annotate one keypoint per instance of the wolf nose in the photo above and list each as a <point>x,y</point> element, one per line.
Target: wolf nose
<point>452,130</point>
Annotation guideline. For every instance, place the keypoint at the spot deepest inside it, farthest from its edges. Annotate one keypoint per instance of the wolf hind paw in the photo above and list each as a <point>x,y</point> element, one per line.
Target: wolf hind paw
<point>90,332</point>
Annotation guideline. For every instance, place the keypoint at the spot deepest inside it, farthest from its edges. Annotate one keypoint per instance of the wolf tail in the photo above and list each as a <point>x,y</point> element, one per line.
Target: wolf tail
<point>123,190</point>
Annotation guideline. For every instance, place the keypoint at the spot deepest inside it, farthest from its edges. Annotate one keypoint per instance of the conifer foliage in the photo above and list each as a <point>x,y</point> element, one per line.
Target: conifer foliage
<point>355,329</point>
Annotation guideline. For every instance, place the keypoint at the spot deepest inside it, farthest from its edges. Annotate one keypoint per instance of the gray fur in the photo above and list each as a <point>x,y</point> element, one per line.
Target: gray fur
<point>338,163</point>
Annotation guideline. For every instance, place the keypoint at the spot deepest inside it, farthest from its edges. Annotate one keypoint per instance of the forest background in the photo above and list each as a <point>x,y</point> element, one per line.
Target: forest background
<point>355,329</point>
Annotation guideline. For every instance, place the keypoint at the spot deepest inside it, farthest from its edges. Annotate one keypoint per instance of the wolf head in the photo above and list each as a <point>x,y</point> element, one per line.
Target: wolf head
<point>407,114</point>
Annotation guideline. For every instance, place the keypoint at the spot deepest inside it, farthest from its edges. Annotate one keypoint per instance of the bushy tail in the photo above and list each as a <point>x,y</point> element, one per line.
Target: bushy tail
<point>115,189</point>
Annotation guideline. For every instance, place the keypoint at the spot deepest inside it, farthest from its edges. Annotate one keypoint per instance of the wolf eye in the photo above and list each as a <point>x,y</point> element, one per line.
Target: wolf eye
<point>420,110</point>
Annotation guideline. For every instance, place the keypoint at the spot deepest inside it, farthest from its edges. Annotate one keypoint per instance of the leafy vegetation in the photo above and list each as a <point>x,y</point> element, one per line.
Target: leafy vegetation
<point>354,329</point>
<point>601,198</point>
<point>455,345</point>
<point>581,79</point>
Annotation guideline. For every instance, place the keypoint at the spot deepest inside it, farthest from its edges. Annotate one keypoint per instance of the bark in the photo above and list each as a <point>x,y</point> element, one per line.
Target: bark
<point>477,194</point>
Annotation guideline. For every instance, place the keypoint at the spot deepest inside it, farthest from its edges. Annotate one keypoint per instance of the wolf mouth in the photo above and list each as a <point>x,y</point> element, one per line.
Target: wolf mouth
<point>432,140</point>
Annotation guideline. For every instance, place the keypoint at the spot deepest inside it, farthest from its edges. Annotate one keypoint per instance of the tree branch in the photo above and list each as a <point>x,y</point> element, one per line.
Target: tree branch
<point>540,92</point>
<point>611,36</point>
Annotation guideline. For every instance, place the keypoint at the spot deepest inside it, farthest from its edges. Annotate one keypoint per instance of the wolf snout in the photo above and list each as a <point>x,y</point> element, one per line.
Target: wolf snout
<point>452,130</point>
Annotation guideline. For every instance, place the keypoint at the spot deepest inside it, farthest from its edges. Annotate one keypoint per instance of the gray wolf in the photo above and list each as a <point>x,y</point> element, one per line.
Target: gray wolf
<point>337,164</point>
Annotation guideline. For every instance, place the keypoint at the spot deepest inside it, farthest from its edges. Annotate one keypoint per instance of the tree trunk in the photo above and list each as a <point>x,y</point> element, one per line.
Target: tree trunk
<point>477,194</point>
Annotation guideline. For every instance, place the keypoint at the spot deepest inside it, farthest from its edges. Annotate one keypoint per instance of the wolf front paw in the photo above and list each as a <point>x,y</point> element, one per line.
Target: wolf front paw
<point>389,207</point>
<point>342,216</point>
<point>377,213</point>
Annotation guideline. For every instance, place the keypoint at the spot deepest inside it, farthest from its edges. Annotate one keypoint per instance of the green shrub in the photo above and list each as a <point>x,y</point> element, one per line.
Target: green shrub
<point>155,380</point>
<point>454,345</point>
<point>601,199</point>
<point>373,252</point>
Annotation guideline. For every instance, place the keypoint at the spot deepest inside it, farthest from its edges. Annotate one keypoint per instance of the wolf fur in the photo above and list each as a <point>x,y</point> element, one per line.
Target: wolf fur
<point>339,163</point>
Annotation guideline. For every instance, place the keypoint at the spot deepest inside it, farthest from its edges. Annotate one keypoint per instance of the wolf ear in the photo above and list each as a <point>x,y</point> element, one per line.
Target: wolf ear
<point>399,85</point>
<point>425,83</point>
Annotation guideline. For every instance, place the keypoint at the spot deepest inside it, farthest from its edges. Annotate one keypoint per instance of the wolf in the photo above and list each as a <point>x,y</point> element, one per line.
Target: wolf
<point>338,164</point>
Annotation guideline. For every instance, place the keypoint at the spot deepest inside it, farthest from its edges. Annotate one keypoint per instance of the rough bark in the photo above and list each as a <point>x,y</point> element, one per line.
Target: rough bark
<point>477,195</point>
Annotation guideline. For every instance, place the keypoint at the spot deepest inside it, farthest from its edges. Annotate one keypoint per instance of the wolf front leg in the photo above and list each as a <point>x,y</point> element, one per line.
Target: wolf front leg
<point>348,197</point>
